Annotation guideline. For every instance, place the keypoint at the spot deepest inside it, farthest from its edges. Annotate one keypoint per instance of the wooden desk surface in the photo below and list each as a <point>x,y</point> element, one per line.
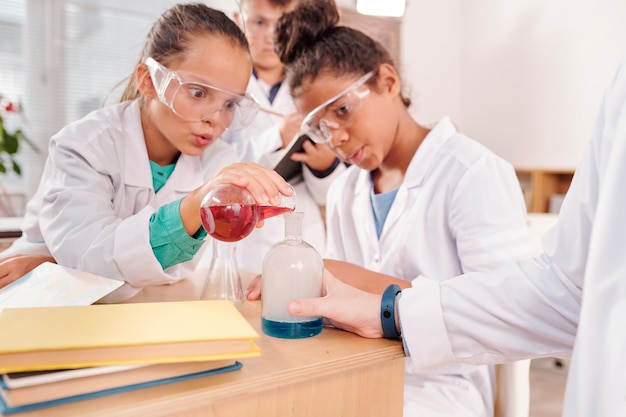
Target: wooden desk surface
<point>10,229</point>
<point>335,373</point>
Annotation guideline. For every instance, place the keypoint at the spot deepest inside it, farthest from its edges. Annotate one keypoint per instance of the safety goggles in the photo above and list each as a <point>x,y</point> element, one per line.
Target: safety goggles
<point>194,101</point>
<point>336,112</point>
<point>258,25</point>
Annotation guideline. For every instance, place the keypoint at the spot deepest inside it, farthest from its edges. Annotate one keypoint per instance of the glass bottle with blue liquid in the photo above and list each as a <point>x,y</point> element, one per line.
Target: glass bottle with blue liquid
<point>292,269</point>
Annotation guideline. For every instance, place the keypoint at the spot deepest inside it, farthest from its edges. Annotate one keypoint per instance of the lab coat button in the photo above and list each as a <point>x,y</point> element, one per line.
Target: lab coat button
<point>376,258</point>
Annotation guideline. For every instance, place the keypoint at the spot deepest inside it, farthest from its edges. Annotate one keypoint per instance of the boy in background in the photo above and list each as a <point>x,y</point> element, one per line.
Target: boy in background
<point>272,130</point>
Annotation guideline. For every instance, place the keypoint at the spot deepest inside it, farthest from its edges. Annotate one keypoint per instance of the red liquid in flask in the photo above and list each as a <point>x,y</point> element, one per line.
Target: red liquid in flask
<point>265,212</point>
<point>229,223</point>
<point>233,222</point>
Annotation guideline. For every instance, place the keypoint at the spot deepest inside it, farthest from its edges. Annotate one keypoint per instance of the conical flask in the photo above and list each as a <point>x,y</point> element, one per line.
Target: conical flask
<point>291,269</point>
<point>223,281</point>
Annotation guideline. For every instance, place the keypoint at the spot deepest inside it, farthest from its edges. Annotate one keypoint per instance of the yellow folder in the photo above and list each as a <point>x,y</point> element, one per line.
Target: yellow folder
<point>43,338</point>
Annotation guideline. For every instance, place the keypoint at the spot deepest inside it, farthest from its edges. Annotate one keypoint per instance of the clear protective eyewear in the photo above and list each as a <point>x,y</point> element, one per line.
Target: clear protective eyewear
<point>194,101</point>
<point>336,112</point>
<point>258,25</point>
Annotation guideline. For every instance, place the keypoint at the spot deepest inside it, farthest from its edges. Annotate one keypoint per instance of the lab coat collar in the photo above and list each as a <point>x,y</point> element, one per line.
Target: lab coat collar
<point>421,163</point>
<point>187,175</point>
<point>282,103</point>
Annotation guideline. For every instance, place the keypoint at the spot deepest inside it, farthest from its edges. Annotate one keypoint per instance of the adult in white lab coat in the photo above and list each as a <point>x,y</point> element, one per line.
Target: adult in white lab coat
<point>417,199</point>
<point>570,299</point>
<point>121,190</point>
<point>270,132</point>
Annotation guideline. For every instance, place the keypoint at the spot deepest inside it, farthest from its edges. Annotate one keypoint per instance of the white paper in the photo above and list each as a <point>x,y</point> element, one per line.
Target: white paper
<point>18,380</point>
<point>51,285</point>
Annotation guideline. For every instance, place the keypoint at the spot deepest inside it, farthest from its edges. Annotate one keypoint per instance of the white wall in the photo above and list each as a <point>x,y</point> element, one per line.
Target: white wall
<point>524,77</point>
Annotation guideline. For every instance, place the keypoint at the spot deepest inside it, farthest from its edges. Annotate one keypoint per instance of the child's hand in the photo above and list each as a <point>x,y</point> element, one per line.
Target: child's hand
<point>317,156</point>
<point>290,127</point>
<point>254,289</point>
<point>344,307</point>
<point>16,266</point>
<point>264,184</point>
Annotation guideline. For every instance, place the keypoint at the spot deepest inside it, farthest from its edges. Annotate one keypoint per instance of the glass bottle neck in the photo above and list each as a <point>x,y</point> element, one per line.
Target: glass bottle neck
<point>293,225</point>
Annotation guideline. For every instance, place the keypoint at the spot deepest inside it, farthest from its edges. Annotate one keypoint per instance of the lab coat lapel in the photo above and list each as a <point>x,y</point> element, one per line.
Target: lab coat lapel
<point>363,216</point>
<point>137,172</point>
<point>283,103</point>
<point>265,122</point>
<point>416,173</point>
<point>398,208</point>
<point>413,179</point>
<point>187,176</point>
<point>425,157</point>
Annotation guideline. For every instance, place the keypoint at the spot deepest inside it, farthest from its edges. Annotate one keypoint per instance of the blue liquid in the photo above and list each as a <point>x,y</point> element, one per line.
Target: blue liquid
<point>287,330</point>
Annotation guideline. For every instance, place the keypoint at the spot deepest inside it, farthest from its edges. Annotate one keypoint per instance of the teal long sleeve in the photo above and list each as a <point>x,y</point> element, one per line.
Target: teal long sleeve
<point>169,240</point>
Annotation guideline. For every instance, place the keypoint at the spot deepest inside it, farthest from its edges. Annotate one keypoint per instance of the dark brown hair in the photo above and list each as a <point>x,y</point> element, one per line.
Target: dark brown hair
<point>171,33</point>
<point>309,41</point>
<point>276,3</point>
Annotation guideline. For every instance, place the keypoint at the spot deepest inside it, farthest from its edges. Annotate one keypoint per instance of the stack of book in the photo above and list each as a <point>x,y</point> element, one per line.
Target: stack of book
<point>23,391</point>
<point>52,355</point>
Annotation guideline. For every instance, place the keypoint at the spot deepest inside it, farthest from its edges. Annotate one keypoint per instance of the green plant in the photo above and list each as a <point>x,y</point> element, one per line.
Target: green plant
<point>10,141</point>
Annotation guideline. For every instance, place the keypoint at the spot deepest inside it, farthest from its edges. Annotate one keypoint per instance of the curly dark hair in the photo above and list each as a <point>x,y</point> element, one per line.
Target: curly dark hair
<point>309,40</point>
<point>276,3</point>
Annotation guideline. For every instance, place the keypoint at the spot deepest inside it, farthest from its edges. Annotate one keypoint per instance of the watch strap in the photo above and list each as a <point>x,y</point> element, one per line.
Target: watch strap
<point>388,312</point>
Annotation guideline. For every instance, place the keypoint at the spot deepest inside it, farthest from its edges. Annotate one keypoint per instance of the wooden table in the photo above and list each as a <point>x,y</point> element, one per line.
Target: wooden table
<point>335,373</point>
<point>10,229</point>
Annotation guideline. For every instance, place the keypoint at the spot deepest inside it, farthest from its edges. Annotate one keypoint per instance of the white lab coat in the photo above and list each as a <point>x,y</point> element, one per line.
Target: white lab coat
<point>458,209</point>
<point>263,134</point>
<point>259,143</point>
<point>95,199</point>
<point>532,308</point>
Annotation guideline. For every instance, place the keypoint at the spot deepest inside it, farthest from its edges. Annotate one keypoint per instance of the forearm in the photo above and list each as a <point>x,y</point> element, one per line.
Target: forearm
<point>190,209</point>
<point>364,279</point>
<point>469,318</point>
<point>169,240</point>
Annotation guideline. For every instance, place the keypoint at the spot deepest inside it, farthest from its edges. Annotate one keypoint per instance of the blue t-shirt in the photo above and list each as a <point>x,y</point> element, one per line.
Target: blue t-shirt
<point>381,204</point>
